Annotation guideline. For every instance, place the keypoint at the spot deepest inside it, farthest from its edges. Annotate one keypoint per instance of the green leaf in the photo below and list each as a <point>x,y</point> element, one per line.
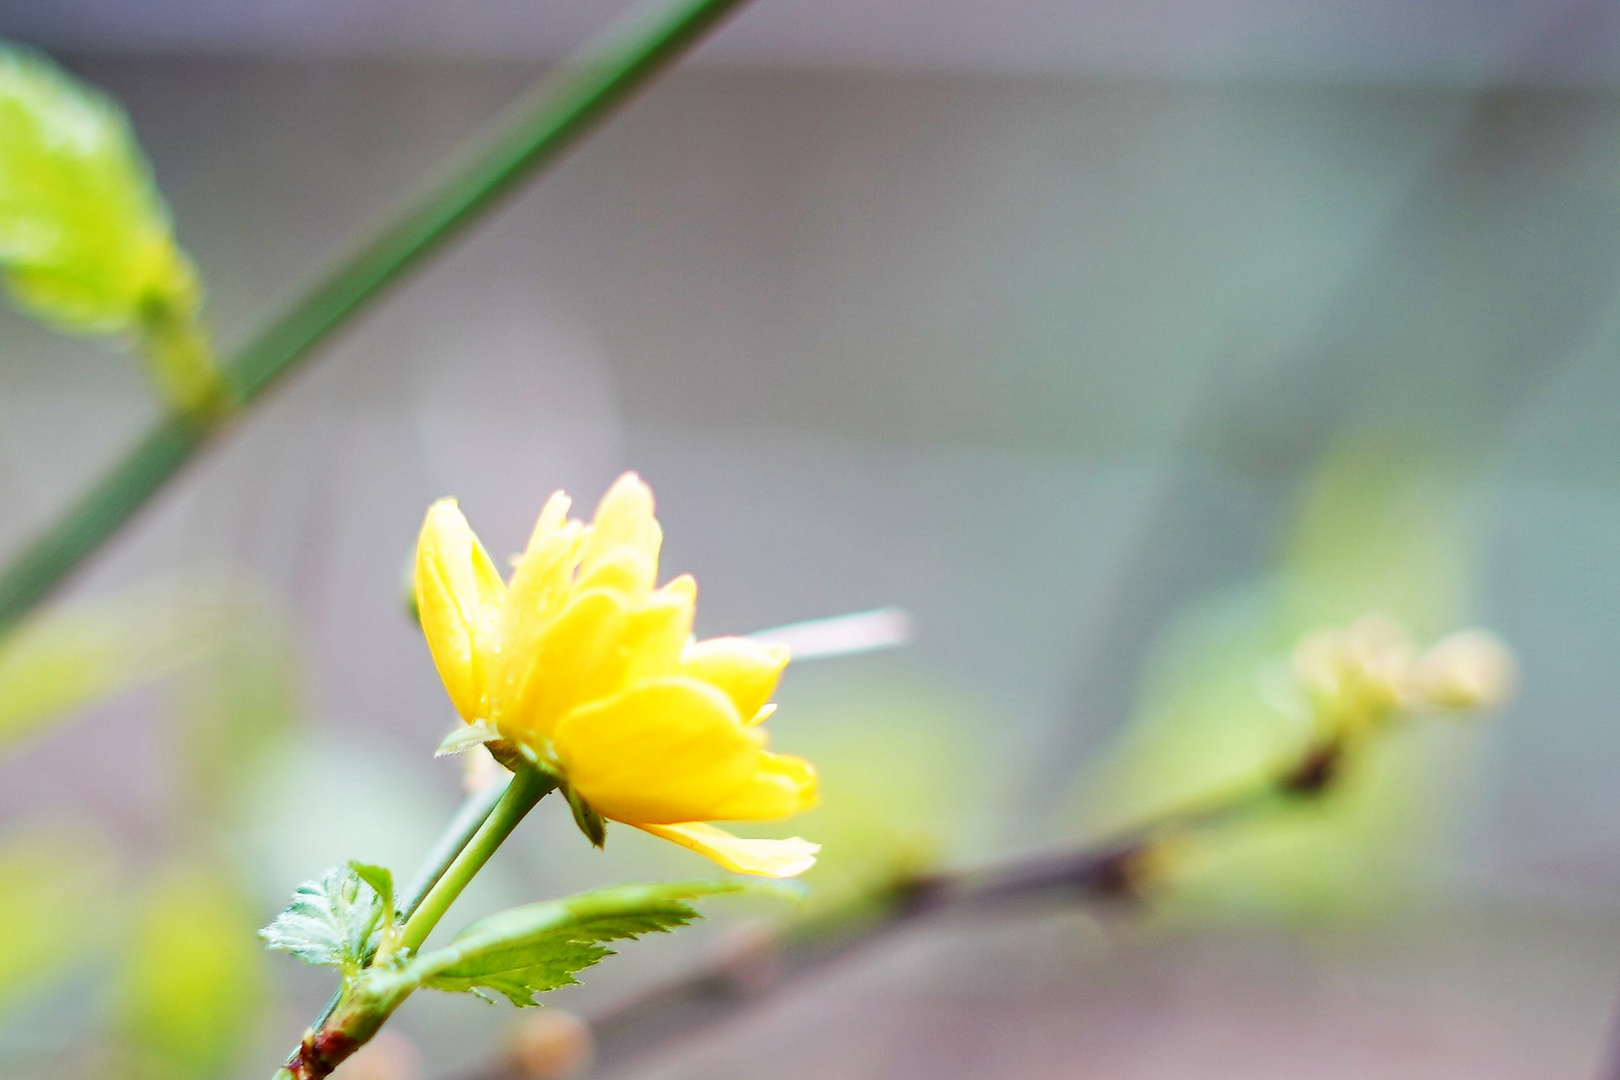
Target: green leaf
<point>85,240</point>
<point>63,659</point>
<point>236,710</point>
<point>467,737</point>
<point>192,983</point>
<point>538,947</point>
<point>381,880</point>
<point>58,903</point>
<point>335,919</point>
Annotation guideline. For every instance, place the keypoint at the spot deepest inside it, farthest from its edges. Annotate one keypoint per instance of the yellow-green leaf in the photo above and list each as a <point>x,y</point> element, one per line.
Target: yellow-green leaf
<point>63,659</point>
<point>193,977</point>
<point>85,240</point>
<point>56,899</point>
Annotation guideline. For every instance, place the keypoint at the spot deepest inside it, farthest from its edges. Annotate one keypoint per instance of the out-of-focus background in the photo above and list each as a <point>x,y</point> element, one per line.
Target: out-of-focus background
<point>1119,344</point>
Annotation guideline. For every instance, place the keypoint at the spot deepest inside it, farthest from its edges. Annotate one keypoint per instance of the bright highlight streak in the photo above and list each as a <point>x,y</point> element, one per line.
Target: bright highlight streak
<point>842,635</point>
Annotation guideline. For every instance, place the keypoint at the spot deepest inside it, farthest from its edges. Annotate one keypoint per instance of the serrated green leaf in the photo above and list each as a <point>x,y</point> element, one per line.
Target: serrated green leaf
<point>467,737</point>
<point>539,947</point>
<point>335,919</point>
<point>85,240</point>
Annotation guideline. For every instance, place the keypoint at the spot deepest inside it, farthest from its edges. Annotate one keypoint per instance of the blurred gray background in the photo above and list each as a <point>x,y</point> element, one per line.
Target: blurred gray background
<point>1028,317</point>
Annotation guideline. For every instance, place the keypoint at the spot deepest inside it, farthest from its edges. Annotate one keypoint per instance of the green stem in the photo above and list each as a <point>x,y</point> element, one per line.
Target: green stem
<point>477,830</point>
<point>462,828</point>
<point>528,786</point>
<point>531,134</point>
<point>470,817</point>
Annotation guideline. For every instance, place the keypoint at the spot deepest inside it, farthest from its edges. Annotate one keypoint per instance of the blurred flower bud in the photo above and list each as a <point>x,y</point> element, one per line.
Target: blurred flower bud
<point>1370,672</point>
<point>1382,652</point>
<point>1356,677</point>
<point>552,1044</point>
<point>388,1056</point>
<point>1469,670</point>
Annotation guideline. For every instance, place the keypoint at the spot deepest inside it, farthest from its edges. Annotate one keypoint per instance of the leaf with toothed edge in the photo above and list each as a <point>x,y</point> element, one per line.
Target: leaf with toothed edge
<point>335,919</point>
<point>539,947</point>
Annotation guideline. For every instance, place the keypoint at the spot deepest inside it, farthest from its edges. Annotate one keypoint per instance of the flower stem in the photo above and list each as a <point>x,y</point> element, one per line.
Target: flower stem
<point>477,830</point>
<point>528,786</point>
<point>470,817</point>
<point>457,835</point>
<point>532,134</point>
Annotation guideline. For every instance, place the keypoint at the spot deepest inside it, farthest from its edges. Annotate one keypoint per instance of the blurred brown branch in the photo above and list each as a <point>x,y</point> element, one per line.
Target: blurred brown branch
<point>1111,870</point>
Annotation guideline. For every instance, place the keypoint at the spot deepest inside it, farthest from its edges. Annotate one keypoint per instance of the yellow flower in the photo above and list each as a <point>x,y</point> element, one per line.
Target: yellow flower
<point>587,667</point>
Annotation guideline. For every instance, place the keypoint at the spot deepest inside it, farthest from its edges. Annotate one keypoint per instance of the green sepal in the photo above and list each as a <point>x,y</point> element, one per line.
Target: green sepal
<point>539,947</point>
<point>589,821</point>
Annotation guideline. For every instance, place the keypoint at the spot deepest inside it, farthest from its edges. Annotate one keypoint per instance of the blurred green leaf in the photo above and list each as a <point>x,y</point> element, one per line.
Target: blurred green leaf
<point>85,240</point>
<point>336,918</point>
<point>57,901</point>
<point>906,766</point>
<point>66,658</point>
<point>1381,525</point>
<point>539,947</point>
<point>193,979</point>
<point>236,709</point>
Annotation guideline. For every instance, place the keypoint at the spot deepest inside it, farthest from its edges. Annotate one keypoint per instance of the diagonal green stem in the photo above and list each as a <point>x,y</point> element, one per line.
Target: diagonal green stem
<point>474,811</point>
<point>345,1024</point>
<point>470,817</point>
<point>528,787</point>
<point>532,133</point>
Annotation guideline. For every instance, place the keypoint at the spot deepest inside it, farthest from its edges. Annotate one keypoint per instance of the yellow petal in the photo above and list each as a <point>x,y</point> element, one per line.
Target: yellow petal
<point>769,858</point>
<point>459,594</point>
<point>624,519</point>
<point>542,583</point>
<point>624,569</point>
<point>553,516</point>
<point>660,630</point>
<point>664,751</point>
<point>782,785</point>
<point>576,659</point>
<point>746,671</point>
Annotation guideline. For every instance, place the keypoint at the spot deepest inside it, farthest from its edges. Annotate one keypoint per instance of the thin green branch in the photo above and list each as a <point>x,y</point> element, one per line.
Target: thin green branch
<point>469,818</point>
<point>474,834</point>
<point>528,787</point>
<point>457,835</point>
<point>531,134</point>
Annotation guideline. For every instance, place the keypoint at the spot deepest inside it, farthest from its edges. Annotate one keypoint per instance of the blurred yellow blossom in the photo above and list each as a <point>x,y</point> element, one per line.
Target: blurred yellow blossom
<point>1365,674</point>
<point>588,668</point>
